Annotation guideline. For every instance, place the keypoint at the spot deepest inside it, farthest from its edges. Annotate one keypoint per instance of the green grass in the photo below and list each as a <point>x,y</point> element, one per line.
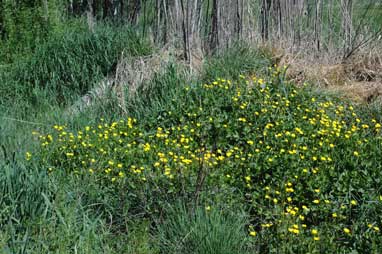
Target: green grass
<point>53,203</point>
<point>68,64</point>
<point>204,230</point>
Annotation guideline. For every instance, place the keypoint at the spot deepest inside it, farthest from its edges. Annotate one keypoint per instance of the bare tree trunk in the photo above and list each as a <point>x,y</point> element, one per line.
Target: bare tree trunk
<point>214,33</point>
<point>165,20</point>
<point>95,8</point>
<point>331,24</point>
<point>239,21</point>
<point>196,20</point>
<point>90,15</point>
<point>347,24</point>
<point>279,19</point>
<point>2,27</point>
<point>144,19</point>
<point>106,8</point>
<point>157,21</point>
<point>121,10</point>
<point>317,24</point>
<point>300,14</point>
<point>264,21</point>
<point>185,32</point>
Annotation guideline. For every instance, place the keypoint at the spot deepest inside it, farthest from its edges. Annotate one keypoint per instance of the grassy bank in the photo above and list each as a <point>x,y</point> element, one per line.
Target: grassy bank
<point>237,160</point>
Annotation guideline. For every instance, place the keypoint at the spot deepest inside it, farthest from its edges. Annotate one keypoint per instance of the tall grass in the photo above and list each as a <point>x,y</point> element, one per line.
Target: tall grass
<point>237,60</point>
<point>202,232</point>
<point>68,64</point>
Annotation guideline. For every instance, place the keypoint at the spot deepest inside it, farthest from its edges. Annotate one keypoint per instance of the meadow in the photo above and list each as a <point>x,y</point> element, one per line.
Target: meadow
<point>235,160</point>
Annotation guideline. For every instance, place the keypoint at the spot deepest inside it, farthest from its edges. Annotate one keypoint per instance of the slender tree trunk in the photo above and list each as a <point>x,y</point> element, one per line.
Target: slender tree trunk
<point>331,24</point>
<point>317,24</point>
<point>121,10</point>
<point>165,21</point>
<point>239,21</point>
<point>2,28</point>
<point>347,24</point>
<point>196,17</point>
<point>95,8</point>
<point>106,8</point>
<point>265,7</point>
<point>214,34</point>
<point>90,15</point>
<point>185,32</point>
<point>144,19</point>
<point>278,18</point>
<point>134,9</point>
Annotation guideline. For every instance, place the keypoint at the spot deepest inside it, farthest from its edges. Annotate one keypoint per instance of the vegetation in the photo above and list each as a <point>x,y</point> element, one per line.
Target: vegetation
<point>233,158</point>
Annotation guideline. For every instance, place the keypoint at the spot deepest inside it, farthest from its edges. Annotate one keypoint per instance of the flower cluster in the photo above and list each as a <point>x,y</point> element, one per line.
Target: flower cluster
<point>305,164</point>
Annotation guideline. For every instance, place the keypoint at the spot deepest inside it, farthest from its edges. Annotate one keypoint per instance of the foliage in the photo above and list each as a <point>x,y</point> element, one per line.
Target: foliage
<point>306,166</point>
<point>69,64</point>
<point>205,230</point>
<point>24,25</point>
<point>236,60</point>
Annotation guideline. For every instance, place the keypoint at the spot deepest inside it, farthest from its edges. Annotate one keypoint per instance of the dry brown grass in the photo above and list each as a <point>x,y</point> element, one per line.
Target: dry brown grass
<point>358,78</point>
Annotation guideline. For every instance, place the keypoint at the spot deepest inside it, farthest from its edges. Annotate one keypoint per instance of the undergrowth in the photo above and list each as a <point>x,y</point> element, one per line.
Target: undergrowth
<point>305,167</point>
<point>258,164</point>
<point>67,65</point>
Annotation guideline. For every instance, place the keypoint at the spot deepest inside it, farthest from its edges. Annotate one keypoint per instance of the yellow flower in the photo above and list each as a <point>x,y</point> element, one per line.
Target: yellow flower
<point>316,238</point>
<point>28,156</point>
<point>252,233</point>
<point>356,153</point>
<point>294,230</point>
<point>314,232</point>
<point>353,202</point>
<point>146,147</point>
<point>347,231</point>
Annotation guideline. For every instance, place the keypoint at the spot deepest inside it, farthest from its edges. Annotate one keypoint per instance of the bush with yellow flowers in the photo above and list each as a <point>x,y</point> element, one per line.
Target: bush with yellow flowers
<point>307,166</point>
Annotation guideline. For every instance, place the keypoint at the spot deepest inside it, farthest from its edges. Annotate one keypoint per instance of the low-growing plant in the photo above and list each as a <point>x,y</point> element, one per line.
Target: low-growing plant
<point>307,166</point>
